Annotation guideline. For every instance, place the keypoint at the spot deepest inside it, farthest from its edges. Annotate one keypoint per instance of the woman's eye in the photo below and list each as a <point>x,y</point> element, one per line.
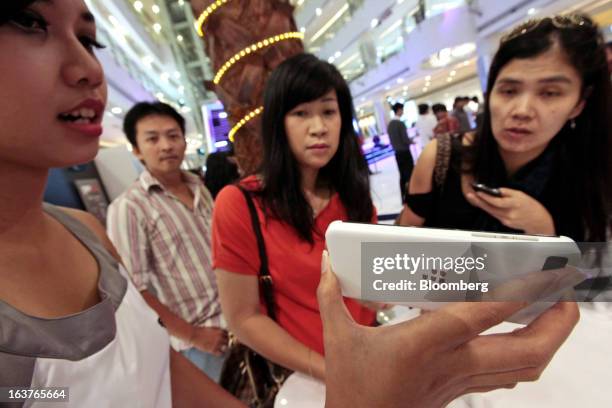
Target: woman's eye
<point>330,112</point>
<point>550,94</point>
<point>29,21</point>
<point>90,44</point>
<point>507,91</point>
<point>300,113</point>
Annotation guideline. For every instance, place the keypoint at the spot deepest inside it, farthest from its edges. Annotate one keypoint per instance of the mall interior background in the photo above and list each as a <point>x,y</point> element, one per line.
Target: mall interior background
<point>411,51</point>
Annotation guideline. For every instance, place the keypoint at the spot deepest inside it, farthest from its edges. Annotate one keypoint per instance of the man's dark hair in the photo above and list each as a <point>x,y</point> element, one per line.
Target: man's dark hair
<point>143,109</point>
<point>438,107</point>
<point>475,99</point>
<point>397,106</point>
<point>423,109</point>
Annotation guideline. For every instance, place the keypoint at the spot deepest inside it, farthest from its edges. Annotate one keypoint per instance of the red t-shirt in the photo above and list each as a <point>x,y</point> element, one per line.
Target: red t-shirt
<point>295,265</point>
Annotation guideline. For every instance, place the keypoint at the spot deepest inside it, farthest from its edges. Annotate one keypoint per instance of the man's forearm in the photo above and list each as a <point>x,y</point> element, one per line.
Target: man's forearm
<point>175,325</point>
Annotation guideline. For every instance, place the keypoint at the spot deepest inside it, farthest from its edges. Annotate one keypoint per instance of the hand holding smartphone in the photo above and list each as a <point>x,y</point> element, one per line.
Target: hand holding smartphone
<point>486,189</point>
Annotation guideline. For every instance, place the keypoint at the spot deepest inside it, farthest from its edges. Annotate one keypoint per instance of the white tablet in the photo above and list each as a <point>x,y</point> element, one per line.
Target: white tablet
<point>426,267</point>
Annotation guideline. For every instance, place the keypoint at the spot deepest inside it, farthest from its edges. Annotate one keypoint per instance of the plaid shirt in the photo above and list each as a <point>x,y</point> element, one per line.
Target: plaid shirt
<point>166,248</point>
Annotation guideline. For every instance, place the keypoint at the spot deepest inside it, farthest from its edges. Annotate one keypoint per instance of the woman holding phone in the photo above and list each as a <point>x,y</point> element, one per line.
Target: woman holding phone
<point>540,162</point>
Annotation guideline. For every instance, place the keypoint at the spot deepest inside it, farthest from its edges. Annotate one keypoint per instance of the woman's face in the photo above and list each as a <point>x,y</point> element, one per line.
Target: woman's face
<point>313,131</point>
<point>532,99</point>
<point>53,87</point>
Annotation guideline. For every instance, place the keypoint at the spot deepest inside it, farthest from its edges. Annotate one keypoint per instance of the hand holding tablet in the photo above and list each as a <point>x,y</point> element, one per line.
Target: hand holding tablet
<point>428,268</point>
<point>431,360</point>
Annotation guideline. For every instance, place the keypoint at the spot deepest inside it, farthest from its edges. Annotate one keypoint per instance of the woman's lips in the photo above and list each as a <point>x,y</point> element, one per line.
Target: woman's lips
<point>85,117</point>
<point>86,129</point>
<point>318,147</point>
<point>517,133</point>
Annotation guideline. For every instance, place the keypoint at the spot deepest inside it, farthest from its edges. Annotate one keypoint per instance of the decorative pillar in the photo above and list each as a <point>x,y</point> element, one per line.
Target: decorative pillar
<point>245,40</point>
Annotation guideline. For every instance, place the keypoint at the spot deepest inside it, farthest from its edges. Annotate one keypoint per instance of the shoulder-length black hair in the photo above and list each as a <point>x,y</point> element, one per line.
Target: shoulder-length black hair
<point>582,155</point>
<point>299,79</point>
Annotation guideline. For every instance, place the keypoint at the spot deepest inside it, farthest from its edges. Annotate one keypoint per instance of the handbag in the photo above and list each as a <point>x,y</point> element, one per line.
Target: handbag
<point>246,374</point>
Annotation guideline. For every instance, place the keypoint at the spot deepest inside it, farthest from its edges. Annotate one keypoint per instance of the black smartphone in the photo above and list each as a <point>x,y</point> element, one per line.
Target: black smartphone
<point>486,189</point>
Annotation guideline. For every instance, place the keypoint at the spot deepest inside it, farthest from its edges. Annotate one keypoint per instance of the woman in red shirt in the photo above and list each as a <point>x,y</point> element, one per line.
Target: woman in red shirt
<point>312,174</point>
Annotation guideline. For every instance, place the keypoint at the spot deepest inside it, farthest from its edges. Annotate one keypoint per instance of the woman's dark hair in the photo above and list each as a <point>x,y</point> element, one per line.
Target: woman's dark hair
<point>582,162</point>
<point>8,9</point>
<point>220,171</point>
<point>299,79</point>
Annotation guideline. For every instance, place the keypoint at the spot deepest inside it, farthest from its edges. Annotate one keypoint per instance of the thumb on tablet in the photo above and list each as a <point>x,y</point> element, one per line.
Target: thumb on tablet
<point>334,313</point>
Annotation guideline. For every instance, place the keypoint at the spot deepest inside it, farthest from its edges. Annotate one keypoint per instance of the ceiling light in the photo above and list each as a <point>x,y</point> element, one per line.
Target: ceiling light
<point>318,11</point>
<point>179,38</point>
<point>159,95</point>
<point>374,23</point>
<point>138,6</point>
<point>177,75</point>
<point>400,80</point>
<point>428,78</point>
<point>531,11</point>
<point>329,23</point>
<point>337,54</point>
<point>453,73</point>
<point>181,2</point>
<point>387,88</point>
<point>181,89</point>
<point>155,8</point>
<point>222,115</point>
<point>349,60</point>
<point>391,29</point>
<point>449,79</point>
<point>330,60</point>
<point>185,109</point>
<point>466,63</point>
<point>157,27</point>
<point>117,110</point>
<point>303,29</point>
<point>405,88</point>
<point>424,89</point>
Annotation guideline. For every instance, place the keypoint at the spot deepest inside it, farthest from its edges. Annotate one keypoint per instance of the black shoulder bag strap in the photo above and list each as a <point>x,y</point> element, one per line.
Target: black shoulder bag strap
<point>265,280</point>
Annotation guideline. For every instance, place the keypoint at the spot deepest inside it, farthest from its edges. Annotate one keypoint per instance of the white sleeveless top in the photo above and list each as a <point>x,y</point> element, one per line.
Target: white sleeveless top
<point>114,354</point>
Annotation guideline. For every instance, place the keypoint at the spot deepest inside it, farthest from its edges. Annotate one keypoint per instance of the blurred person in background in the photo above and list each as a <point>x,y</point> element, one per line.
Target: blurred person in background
<point>398,135</point>
<point>221,170</point>
<point>425,124</point>
<point>460,114</point>
<point>446,123</point>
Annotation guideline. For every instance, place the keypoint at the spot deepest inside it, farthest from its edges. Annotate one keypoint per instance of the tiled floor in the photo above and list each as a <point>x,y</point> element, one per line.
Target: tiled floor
<point>384,185</point>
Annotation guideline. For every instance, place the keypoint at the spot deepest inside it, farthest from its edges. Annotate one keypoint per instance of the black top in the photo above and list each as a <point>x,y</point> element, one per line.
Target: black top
<point>447,207</point>
<point>398,136</point>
